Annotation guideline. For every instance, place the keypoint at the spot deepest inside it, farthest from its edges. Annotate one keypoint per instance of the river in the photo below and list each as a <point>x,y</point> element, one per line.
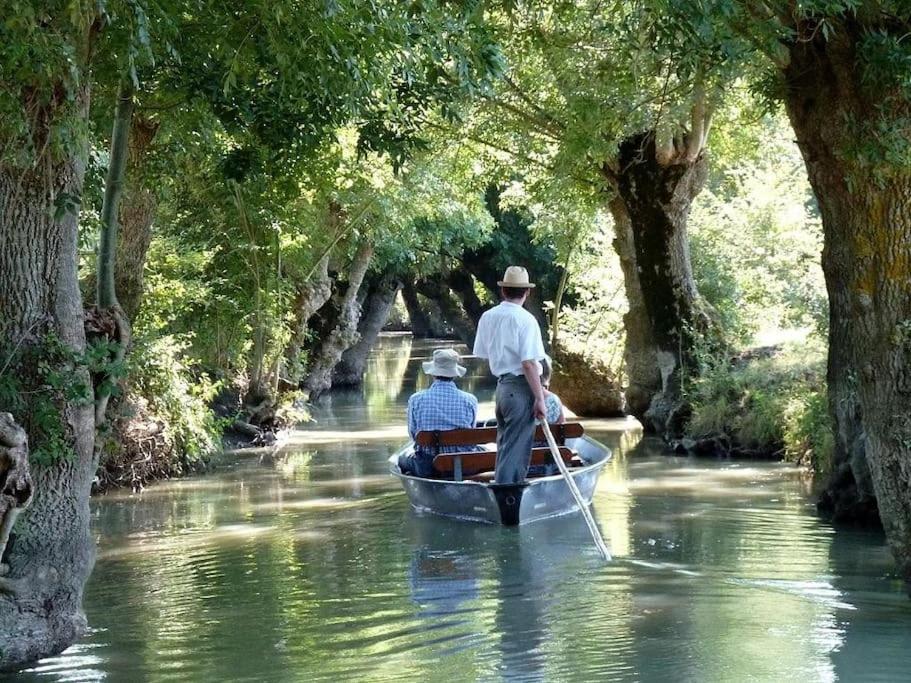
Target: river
<point>307,564</point>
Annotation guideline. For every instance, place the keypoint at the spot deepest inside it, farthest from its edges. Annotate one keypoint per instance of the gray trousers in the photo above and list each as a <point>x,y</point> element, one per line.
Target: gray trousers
<point>515,428</point>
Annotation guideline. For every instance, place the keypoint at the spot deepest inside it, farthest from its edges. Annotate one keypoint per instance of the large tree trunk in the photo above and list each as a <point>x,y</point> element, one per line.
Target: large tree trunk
<point>375,310</point>
<point>462,285</point>
<point>657,198</point>
<point>866,216</point>
<point>421,327</point>
<point>342,333</point>
<point>137,214</point>
<point>52,552</point>
<point>849,496</point>
<point>454,317</point>
<point>311,296</point>
<point>640,354</point>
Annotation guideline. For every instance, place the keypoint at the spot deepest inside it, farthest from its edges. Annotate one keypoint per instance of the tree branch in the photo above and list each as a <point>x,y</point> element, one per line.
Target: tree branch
<point>541,126</point>
<point>558,125</point>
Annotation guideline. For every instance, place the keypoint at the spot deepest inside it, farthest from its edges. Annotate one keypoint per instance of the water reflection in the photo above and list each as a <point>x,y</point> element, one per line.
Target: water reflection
<point>308,565</point>
<point>443,575</point>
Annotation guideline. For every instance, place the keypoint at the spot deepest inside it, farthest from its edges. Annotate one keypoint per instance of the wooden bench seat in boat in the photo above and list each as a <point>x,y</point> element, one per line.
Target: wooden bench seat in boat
<point>469,463</point>
<point>482,435</point>
<point>490,475</point>
<point>472,463</point>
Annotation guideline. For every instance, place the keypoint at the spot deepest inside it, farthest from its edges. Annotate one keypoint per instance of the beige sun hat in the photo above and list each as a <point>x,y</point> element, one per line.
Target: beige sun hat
<point>516,276</point>
<point>445,363</point>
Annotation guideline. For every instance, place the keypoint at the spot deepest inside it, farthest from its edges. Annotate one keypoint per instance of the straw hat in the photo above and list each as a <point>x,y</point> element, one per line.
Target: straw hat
<point>445,363</point>
<point>516,276</point>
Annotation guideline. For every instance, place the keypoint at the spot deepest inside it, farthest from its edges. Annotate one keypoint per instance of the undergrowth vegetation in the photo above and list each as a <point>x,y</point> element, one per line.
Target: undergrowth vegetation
<point>164,425</point>
<point>766,404</point>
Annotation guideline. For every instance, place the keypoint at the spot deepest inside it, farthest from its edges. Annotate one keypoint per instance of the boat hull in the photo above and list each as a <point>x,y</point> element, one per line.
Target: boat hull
<point>541,498</point>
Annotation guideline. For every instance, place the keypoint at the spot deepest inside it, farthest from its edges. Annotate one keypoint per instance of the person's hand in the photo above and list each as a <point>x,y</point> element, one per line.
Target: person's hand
<point>539,410</point>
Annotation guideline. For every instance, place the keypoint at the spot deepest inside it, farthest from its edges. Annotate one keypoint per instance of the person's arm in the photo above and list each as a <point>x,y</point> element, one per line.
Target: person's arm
<point>480,340</point>
<point>531,348</point>
<point>531,369</point>
<point>412,423</point>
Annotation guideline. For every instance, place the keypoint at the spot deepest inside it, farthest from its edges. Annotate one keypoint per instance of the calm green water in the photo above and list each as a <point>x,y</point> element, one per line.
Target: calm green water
<point>309,565</point>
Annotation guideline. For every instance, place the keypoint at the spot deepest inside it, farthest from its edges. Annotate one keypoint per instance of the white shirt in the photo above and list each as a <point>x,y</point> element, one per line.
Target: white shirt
<point>507,335</point>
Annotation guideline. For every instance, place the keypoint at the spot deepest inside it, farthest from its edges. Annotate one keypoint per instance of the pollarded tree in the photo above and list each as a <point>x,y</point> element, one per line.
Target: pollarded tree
<point>46,58</point>
<point>841,69</point>
<point>591,100</point>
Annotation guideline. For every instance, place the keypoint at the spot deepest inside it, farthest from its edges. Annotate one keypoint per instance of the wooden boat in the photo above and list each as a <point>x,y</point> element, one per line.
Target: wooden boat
<point>463,488</point>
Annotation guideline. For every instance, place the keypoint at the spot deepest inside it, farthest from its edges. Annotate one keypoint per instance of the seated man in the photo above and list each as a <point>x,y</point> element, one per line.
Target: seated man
<point>443,406</point>
<point>552,402</point>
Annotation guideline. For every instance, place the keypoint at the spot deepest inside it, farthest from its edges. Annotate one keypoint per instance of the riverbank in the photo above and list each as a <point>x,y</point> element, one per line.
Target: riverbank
<point>182,428</point>
<point>766,403</point>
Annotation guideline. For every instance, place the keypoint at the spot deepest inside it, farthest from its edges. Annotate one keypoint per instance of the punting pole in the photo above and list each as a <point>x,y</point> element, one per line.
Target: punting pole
<point>583,508</point>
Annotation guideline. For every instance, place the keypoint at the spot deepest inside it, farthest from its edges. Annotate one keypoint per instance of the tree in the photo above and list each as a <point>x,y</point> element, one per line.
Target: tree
<point>375,307</point>
<point>43,117</point>
<point>840,68</point>
<point>592,101</point>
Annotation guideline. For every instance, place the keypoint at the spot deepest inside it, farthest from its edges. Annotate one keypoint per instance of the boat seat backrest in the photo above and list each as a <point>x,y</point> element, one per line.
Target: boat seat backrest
<point>481,435</point>
<point>461,465</point>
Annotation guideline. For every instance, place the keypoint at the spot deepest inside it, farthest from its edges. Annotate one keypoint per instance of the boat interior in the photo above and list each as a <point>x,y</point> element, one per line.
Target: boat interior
<point>478,465</point>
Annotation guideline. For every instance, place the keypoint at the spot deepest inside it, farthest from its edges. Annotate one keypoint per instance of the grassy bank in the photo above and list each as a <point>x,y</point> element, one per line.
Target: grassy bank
<point>765,403</point>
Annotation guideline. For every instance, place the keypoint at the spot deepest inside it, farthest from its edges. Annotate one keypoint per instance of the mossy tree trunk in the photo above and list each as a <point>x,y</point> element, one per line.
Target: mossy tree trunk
<point>137,215</point>
<point>313,292</point>
<point>454,316</point>
<point>640,353</point>
<point>311,296</point>
<point>339,333</point>
<point>52,552</point>
<point>421,327</point>
<point>375,309</point>
<point>866,216</point>
<point>462,285</point>
<point>655,185</point>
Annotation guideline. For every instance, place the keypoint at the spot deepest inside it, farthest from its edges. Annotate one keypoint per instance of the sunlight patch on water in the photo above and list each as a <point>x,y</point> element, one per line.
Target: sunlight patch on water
<point>318,437</point>
<point>313,504</point>
<point>820,591</point>
<point>153,544</point>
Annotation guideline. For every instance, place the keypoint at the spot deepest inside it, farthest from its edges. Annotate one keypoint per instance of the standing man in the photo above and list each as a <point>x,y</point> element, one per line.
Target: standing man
<point>509,338</point>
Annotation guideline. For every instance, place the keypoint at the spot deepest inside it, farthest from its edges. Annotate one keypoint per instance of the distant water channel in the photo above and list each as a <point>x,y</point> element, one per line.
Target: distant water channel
<point>307,564</point>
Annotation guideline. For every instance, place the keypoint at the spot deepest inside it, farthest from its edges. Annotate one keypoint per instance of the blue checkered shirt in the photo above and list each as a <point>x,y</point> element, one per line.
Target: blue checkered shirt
<point>442,406</point>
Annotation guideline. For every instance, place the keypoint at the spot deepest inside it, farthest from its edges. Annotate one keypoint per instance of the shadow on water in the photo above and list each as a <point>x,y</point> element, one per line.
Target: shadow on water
<point>309,565</point>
